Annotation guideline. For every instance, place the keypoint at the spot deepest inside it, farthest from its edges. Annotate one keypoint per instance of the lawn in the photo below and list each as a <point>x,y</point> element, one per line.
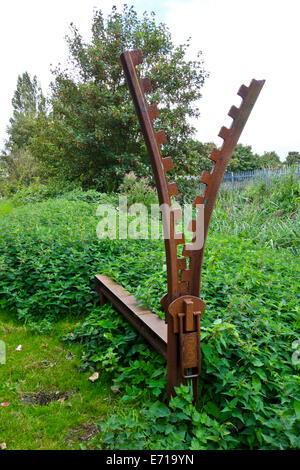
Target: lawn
<point>51,404</point>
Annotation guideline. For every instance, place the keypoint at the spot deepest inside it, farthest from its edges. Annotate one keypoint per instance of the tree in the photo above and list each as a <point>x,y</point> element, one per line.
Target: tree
<point>28,101</point>
<point>92,132</point>
<point>17,164</point>
<point>196,154</point>
<point>270,160</point>
<point>243,159</point>
<point>292,158</point>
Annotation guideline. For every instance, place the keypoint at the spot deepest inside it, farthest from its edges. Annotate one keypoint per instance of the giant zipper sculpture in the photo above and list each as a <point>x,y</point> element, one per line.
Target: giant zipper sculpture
<point>182,304</point>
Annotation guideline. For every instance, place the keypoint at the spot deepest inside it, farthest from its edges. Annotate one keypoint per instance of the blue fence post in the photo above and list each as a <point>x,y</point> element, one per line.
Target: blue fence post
<point>232,180</point>
<point>265,178</point>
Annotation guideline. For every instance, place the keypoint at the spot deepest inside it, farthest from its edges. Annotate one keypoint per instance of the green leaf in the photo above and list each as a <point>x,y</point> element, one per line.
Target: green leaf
<point>257,362</point>
<point>159,410</point>
<point>256,383</point>
<point>297,408</point>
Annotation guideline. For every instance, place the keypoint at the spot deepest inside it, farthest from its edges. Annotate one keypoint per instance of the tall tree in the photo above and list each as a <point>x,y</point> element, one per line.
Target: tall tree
<point>93,133</point>
<point>27,102</point>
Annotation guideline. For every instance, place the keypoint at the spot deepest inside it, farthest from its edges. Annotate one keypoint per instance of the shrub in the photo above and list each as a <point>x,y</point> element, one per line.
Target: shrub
<point>38,192</point>
<point>138,190</point>
<point>17,170</point>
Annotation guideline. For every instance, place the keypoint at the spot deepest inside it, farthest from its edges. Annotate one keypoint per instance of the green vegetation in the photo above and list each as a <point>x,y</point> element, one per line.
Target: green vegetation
<point>87,131</point>
<point>293,158</point>
<point>249,386</point>
<point>28,102</point>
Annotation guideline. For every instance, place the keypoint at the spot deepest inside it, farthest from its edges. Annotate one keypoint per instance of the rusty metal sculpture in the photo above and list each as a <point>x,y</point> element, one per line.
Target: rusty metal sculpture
<point>182,304</point>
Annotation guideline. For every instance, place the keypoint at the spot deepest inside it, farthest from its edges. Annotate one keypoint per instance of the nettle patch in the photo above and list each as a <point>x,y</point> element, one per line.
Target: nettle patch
<point>249,390</point>
<point>249,387</point>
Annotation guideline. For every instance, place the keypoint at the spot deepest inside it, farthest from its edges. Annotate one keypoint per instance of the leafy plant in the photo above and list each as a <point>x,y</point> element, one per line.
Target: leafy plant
<point>138,190</point>
<point>249,387</point>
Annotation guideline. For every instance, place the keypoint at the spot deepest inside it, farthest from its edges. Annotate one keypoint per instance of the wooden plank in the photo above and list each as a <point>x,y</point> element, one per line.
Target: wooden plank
<point>153,328</point>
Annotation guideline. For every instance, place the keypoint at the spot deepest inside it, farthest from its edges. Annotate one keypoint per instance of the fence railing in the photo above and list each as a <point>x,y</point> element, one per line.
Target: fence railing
<point>266,176</point>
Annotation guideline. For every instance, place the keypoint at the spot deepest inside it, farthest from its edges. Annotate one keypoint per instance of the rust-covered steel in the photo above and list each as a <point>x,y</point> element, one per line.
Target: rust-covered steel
<point>182,304</point>
<point>153,328</point>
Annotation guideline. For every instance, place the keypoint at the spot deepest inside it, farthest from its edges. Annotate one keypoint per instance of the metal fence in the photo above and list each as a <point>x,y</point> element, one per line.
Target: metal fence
<point>265,176</point>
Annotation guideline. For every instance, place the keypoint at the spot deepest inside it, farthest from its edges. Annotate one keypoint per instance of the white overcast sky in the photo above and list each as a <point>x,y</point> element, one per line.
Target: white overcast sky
<point>240,40</point>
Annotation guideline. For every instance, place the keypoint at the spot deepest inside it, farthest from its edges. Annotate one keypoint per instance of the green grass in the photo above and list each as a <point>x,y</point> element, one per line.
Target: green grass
<point>40,371</point>
<point>5,207</point>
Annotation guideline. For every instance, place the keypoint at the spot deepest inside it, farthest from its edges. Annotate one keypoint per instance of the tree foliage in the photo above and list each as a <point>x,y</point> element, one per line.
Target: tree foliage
<point>92,132</point>
<point>18,166</point>
<point>197,153</point>
<point>270,160</point>
<point>28,101</point>
<point>293,158</point>
<point>244,159</point>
